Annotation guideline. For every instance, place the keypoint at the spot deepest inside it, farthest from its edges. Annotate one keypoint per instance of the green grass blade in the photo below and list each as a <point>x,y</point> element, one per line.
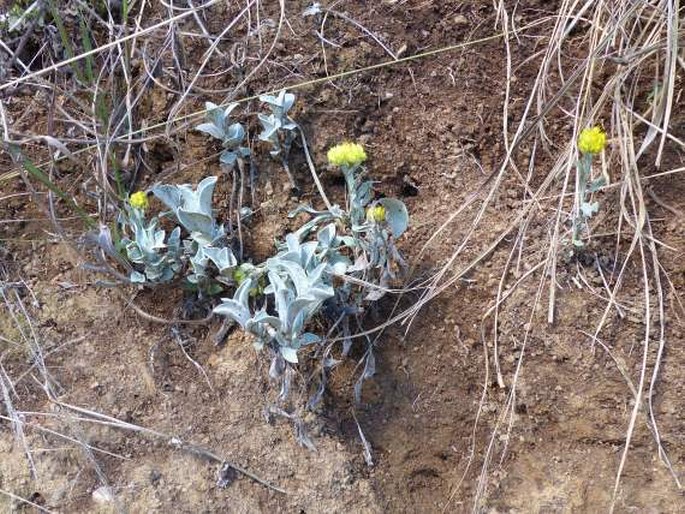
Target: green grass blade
<point>41,177</point>
<point>57,18</point>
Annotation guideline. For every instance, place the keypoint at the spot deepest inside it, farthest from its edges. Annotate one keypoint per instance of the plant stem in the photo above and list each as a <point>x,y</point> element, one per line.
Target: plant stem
<point>583,169</point>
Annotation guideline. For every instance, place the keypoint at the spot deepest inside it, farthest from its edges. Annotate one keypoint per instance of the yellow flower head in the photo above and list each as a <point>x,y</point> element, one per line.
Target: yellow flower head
<point>376,214</point>
<point>139,200</point>
<point>592,140</point>
<point>347,155</point>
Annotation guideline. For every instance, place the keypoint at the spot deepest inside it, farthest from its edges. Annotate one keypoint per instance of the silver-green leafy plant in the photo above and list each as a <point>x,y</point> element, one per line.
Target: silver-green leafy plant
<point>207,242</point>
<point>155,258</point>
<point>330,269</point>
<point>586,187</point>
<point>372,226</point>
<point>298,284</point>
<point>351,246</point>
<point>231,135</point>
<point>591,142</point>
<point>278,128</point>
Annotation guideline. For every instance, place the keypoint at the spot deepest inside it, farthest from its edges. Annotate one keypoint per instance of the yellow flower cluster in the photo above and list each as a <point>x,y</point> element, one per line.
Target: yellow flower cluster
<point>376,214</point>
<point>347,155</point>
<point>139,200</point>
<point>592,140</point>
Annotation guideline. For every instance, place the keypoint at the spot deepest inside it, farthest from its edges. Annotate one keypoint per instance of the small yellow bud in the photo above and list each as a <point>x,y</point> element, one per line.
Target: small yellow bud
<point>240,275</point>
<point>347,155</point>
<point>592,140</point>
<point>139,200</point>
<point>376,214</point>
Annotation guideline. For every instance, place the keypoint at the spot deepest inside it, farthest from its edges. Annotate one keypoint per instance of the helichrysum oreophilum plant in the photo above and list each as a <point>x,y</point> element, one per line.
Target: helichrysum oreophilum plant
<point>207,240</point>
<point>278,128</point>
<point>374,225</point>
<point>231,135</point>
<point>300,276</point>
<point>155,258</point>
<point>337,262</point>
<point>591,142</point>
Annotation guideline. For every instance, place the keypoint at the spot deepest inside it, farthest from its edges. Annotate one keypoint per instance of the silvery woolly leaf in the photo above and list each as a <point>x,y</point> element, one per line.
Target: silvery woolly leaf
<point>292,242</point>
<point>228,158</point>
<point>263,317</point>
<point>349,241</point>
<point>308,254</point>
<point>299,307</point>
<point>158,240</point>
<point>205,190</point>
<point>235,134</point>
<point>234,310</point>
<point>199,262</point>
<point>289,354</point>
<point>338,264</point>
<point>315,275</point>
<point>269,99</point>
<point>215,114</point>
<point>326,235</point>
<point>195,222</point>
<point>223,258</point>
<point>137,277</point>
<point>212,130</point>
<point>174,242</point>
<point>242,294</point>
<point>322,292</point>
<point>285,100</point>
<point>270,127</point>
<point>297,327</point>
<point>168,195</point>
<point>295,272</point>
<point>237,307</point>
<point>308,338</point>
<point>201,239</point>
<point>312,10</point>
<point>134,253</point>
<point>288,102</point>
<point>282,295</point>
<point>588,209</point>
<point>396,215</point>
<point>365,193</point>
<point>305,208</point>
<point>229,109</point>
<point>597,184</point>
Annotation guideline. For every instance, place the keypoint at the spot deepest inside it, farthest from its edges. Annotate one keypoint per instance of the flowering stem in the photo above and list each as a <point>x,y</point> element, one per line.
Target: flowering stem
<point>583,170</point>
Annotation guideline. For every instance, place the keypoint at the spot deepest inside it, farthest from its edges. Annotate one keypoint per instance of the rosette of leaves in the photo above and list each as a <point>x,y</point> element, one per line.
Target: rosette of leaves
<point>378,244</point>
<point>297,286</point>
<point>231,135</point>
<point>207,242</point>
<point>278,128</point>
<point>157,260</point>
